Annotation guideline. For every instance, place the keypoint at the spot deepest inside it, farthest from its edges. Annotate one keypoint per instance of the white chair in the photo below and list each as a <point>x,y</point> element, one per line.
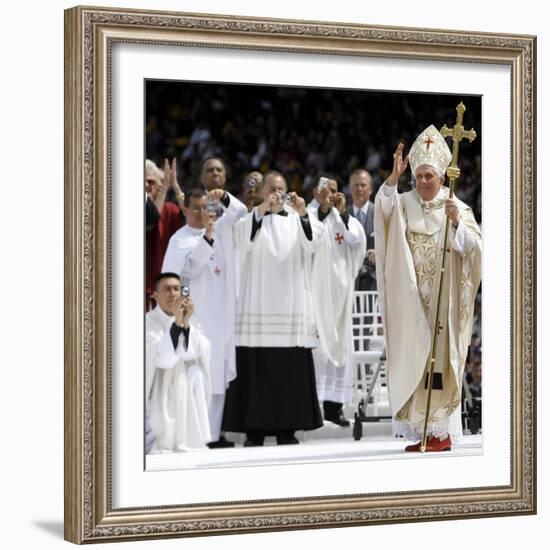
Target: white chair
<point>368,355</point>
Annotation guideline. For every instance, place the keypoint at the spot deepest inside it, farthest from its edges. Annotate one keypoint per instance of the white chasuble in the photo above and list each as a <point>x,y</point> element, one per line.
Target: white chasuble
<point>180,389</point>
<point>275,304</point>
<point>209,272</point>
<point>408,233</point>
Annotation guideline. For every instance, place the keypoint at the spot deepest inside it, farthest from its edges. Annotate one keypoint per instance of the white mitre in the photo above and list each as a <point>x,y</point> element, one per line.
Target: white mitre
<point>430,148</point>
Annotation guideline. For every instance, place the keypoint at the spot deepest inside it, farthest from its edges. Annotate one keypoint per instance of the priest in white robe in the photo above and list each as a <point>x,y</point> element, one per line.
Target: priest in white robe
<point>274,392</point>
<point>335,267</point>
<point>409,229</point>
<point>177,378</point>
<point>202,253</point>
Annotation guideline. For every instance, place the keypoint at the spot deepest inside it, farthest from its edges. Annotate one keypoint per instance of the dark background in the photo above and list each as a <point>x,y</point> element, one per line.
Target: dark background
<point>300,131</point>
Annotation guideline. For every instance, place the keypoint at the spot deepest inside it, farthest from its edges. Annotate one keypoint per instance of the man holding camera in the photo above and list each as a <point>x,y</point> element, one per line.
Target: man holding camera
<point>335,266</point>
<point>202,254</point>
<point>274,391</point>
<point>178,385</point>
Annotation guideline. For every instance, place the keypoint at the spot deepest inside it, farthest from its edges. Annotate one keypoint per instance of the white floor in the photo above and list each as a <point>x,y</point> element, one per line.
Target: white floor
<point>328,444</point>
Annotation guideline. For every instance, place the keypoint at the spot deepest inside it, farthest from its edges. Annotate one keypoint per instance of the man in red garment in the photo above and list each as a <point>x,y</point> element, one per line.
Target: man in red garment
<point>163,218</point>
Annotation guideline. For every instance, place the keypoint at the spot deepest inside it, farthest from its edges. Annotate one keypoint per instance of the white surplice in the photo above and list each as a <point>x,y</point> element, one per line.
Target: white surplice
<point>178,385</point>
<point>335,266</point>
<point>275,302</point>
<point>209,272</point>
<point>408,232</point>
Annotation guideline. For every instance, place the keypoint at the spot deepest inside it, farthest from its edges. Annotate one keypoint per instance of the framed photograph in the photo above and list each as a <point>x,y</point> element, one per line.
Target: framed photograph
<point>133,79</point>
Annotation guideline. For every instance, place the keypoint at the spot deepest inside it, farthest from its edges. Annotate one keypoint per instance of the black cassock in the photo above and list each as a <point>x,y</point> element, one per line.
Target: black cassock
<point>274,391</point>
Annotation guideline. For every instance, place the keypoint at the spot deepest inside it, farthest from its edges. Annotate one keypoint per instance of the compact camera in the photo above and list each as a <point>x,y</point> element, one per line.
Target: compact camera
<point>323,182</point>
<point>212,207</point>
<point>185,290</point>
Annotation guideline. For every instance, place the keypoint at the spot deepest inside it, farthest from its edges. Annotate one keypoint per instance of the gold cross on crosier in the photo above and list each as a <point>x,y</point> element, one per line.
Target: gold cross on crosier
<point>453,172</point>
<point>458,133</point>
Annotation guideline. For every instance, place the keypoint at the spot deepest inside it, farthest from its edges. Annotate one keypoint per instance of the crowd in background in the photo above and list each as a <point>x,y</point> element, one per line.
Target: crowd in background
<point>299,132</point>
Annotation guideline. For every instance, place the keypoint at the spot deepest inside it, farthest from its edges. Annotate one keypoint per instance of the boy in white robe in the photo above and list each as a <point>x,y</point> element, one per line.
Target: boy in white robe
<point>178,386</point>
<point>335,267</point>
<point>202,253</point>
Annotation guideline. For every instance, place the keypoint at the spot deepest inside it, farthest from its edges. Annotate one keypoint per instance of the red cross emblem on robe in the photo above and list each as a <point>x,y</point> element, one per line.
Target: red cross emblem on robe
<point>217,271</point>
<point>339,238</point>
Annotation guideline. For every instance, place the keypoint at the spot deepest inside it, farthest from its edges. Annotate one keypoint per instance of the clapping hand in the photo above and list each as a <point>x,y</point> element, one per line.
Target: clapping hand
<point>167,176</point>
<point>170,179</point>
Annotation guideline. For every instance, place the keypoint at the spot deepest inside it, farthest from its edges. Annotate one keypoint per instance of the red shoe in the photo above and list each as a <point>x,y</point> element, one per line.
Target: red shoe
<point>416,447</point>
<point>435,445</point>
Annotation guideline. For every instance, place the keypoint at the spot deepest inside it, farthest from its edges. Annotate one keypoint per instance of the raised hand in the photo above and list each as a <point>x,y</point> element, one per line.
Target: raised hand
<point>340,202</point>
<point>208,219</point>
<point>171,176</point>
<point>399,165</point>
<point>274,202</point>
<point>215,195</point>
<point>166,176</point>
<point>298,203</point>
<point>184,310</point>
<point>325,199</point>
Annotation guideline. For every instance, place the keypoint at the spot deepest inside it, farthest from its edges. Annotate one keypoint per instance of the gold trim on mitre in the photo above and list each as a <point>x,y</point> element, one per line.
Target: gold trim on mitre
<point>430,148</point>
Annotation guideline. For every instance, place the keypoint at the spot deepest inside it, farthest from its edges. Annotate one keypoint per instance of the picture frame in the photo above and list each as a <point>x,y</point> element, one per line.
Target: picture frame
<point>90,34</point>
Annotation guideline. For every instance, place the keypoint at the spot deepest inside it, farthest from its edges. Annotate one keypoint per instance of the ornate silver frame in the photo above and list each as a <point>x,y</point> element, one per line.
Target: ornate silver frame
<point>89,36</point>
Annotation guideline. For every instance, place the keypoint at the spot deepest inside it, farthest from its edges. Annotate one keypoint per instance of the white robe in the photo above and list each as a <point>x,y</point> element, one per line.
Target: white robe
<point>178,385</point>
<point>335,267</point>
<point>408,231</point>
<point>209,272</point>
<point>275,303</point>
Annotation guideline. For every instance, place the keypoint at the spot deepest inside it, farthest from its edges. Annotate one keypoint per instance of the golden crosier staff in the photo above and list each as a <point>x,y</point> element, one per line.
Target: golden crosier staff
<point>453,172</point>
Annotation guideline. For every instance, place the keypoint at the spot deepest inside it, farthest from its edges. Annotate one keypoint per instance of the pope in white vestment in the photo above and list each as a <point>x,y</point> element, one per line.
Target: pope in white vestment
<point>409,229</point>
<point>274,391</point>
<point>202,253</point>
<point>178,384</point>
<point>335,267</point>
